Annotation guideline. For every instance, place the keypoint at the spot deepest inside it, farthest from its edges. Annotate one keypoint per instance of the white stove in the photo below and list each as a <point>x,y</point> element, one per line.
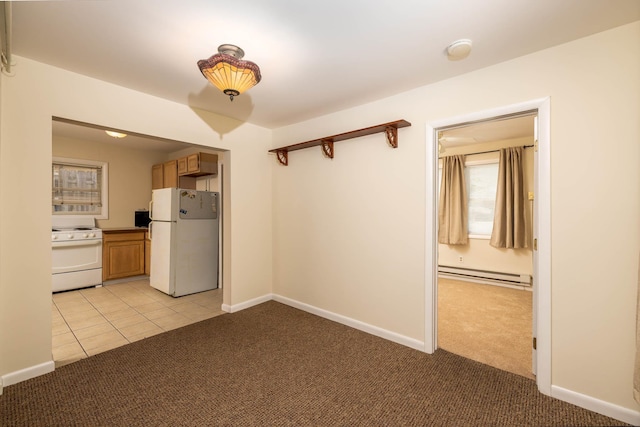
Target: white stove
<point>76,249</point>
<point>75,233</point>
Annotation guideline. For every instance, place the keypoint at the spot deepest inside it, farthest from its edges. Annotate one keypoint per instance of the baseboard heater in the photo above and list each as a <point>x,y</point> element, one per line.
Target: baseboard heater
<point>484,276</point>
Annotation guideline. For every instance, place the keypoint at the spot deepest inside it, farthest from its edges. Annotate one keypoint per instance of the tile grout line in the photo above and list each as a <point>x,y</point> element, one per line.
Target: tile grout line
<point>135,291</point>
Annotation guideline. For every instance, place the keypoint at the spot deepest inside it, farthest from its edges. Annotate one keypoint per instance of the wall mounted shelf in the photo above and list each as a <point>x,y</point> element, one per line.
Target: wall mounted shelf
<point>326,143</point>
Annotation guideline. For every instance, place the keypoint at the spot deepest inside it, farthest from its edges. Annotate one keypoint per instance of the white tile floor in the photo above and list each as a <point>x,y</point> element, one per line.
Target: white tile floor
<point>93,320</point>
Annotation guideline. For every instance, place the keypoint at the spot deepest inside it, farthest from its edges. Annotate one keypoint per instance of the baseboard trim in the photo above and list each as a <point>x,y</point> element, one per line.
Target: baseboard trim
<point>356,324</point>
<point>619,413</point>
<point>27,373</point>
<point>243,305</point>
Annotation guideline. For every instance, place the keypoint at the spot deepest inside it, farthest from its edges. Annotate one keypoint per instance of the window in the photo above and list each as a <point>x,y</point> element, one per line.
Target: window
<point>482,183</point>
<point>79,187</point>
<point>481,180</point>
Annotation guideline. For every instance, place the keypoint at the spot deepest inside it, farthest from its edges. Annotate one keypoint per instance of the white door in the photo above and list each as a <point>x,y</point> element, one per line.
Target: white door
<point>162,274</point>
<point>534,283</point>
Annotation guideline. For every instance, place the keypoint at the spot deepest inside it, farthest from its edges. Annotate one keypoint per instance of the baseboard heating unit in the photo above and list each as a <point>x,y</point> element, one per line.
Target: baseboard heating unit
<point>484,276</point>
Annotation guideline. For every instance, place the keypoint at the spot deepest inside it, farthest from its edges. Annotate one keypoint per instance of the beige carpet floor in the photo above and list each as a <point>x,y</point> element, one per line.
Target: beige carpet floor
<point>486,323</point>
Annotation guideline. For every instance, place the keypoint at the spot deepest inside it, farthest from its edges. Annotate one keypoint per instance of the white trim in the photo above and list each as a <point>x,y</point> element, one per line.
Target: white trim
<point>27,373</point>
<point>543,212</point>
<point>619,413</point>
<point>356,324</point>
<point>247,304</point>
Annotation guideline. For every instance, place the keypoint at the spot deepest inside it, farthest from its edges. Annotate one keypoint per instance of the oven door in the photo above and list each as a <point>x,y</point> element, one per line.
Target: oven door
<point>76,255</point>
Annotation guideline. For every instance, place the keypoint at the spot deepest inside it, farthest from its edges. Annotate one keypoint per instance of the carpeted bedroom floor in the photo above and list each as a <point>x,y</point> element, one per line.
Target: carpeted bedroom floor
<point>275,365</point>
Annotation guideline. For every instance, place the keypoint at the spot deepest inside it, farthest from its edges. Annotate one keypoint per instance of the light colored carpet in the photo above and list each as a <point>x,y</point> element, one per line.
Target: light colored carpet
<point>485,323</point>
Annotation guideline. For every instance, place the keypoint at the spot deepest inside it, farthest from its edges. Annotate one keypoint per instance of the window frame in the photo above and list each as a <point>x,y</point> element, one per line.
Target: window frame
<point>104,188</point>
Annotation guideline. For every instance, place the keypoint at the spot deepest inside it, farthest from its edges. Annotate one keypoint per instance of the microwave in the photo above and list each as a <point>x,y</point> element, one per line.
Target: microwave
<point>141,218</point>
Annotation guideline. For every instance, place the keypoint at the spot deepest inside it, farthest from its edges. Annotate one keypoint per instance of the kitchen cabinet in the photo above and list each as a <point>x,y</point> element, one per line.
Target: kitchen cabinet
<point>166,175</point>
<point>198,164</point>
<point>123,253</point>
<point>147,254</point>
<point>170,174</point>
<point>157,176</point>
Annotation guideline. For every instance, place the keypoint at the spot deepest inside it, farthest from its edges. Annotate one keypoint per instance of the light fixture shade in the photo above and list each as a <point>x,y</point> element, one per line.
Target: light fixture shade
<point>115,134</point>
<point>230,74</point>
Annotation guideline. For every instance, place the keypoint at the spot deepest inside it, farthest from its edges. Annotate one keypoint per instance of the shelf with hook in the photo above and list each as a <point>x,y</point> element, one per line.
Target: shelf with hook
<point>390,129</point>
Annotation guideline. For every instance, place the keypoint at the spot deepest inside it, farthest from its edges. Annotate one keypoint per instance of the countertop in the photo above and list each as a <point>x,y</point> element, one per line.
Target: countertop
<point>123,230</point>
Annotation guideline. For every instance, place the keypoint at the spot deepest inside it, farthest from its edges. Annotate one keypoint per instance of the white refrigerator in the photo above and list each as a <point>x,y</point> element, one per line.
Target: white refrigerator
<point>184,240</point>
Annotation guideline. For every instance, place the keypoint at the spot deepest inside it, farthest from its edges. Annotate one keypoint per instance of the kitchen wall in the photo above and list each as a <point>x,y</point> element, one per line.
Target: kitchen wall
<point>129,175</point>
<point>349,233</point>
<point>25,184</point>
<point>478,253</point>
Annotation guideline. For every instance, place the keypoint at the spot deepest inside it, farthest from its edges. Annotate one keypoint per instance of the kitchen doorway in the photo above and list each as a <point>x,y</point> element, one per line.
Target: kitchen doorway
<point>541,295</point>
<point>86,321</point>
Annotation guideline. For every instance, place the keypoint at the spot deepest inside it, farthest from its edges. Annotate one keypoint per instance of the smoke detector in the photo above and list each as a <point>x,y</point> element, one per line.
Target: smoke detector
<point>459,49</point>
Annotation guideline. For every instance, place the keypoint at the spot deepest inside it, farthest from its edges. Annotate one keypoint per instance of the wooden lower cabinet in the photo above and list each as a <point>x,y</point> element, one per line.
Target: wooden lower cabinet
<point>123,254</point>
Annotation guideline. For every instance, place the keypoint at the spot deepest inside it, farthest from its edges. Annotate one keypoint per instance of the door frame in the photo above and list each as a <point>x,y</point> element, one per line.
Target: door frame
<point>542,212</point>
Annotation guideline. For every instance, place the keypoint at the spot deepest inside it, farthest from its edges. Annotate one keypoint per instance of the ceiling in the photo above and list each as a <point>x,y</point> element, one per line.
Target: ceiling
<point>498,129</point>
<point>92,133</point>
<point>315,57</point>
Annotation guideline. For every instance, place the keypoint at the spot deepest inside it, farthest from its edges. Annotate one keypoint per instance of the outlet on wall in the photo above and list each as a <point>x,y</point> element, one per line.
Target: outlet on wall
<point>460,259</point>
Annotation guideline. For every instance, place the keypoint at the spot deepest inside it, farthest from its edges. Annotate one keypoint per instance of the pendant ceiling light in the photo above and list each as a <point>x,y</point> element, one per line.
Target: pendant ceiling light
<point>228,72</point>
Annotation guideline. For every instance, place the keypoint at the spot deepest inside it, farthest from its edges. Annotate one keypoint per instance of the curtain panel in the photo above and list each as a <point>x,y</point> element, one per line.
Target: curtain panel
<point>510,228</point>
<point>452,210</point>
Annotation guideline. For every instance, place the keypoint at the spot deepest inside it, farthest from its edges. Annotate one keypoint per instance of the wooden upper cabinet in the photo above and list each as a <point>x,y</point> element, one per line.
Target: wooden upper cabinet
<point>199,164</point>
<point>182,172</point>
<point>182,166</point>
<point>157,177</point>
<point>170,174</point>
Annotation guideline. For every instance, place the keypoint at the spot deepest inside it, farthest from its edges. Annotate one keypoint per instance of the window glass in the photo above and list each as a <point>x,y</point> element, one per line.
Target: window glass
<point>482,182</point>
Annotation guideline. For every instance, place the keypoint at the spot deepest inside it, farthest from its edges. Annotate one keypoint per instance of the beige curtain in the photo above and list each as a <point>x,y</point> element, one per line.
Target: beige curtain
<point>636,373</point>
<point>452,211</point>
<point>510,228</point>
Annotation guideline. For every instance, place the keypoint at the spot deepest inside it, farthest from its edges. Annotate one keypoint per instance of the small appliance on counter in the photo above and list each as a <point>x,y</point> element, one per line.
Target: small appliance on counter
<point>141,218</point>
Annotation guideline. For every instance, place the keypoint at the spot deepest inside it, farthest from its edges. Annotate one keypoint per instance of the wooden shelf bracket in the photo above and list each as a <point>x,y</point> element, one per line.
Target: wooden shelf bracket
<point>327,148</point>
<point>392,136</point>
<point>283,157</point>
<point>390,129</point>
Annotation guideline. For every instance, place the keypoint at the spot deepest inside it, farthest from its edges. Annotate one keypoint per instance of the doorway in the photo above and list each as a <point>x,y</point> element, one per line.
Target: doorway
<point>90,320</point>
<point>541,313</point>
<point>485,298</point>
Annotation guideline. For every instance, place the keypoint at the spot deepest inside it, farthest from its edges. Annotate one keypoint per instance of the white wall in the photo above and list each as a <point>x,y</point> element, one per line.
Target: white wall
<point>28,102</point>
<point>349,232</point>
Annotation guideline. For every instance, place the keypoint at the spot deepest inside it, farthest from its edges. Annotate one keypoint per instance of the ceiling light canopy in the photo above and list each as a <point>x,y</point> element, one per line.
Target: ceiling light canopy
<point>459,49</point>
<point>115,134</point>
<point>228,72</point>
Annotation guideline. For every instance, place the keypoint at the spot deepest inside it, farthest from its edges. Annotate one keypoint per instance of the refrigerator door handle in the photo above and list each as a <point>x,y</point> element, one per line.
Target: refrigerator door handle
<point>151,210</point>
<point>149,231</point>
